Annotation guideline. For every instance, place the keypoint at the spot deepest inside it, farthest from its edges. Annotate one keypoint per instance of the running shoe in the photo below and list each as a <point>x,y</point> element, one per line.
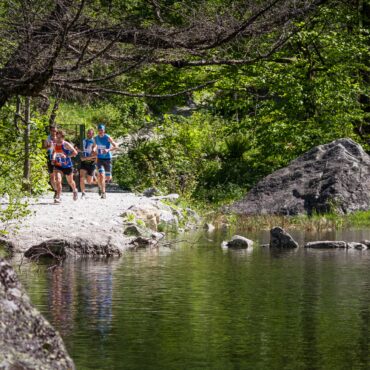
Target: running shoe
<point>57,200</point>
<point>75,195</point>
<point>103,196</point>
<point>55,194</point>
<point>83,196</point>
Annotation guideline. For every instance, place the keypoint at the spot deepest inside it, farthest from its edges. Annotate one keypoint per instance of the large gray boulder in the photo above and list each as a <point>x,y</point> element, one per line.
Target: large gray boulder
<point>27,340</point>
<point>331,177</point>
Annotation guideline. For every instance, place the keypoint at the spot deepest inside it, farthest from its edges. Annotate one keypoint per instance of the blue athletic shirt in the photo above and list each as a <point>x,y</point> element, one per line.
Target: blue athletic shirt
<point>103,143</point>
<point>61,156</point>
<point>87,147</point>
<point>51,149</point>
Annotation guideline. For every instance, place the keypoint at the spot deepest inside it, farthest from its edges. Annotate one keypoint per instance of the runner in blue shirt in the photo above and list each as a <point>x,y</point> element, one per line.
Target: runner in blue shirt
<point>62,162</point>
<point>87,156</point>
<point>104,145</point>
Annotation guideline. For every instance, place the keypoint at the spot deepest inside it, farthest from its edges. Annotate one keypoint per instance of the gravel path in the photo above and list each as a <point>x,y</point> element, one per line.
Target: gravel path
<point>94,220</point>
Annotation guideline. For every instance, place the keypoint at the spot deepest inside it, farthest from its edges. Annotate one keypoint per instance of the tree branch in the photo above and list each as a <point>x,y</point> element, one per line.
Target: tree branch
<point>102,90</point>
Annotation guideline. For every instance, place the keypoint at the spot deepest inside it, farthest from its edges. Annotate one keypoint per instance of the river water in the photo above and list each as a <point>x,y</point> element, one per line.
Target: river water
<point>197,306</point>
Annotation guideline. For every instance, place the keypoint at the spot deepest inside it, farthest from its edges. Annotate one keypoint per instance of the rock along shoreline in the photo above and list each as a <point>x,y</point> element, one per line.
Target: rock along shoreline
<point>27,340</point>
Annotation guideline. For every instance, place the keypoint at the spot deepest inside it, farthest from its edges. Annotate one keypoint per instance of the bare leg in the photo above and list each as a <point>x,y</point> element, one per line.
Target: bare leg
<point>82,180</point>
<point>71,182</point>
<point>98,182</point>
<point>90,179</point>
<point>101,181</point>
<point>53,181</point>
<point>58,182</point>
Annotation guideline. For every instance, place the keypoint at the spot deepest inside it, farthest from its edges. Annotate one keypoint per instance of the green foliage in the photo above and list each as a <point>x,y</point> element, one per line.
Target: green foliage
<point>119,115</point>
<point>223,150</point>
<point>258,117</point>
<point>189,156</point>
<point>12,156</point>
<point>13,209</point>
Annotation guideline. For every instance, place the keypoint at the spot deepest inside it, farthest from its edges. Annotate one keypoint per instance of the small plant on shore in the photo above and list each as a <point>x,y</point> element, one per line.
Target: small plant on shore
<point>15,209</point>
<point>140,223</point>
<point>161,227</point>
<point>130,217</point>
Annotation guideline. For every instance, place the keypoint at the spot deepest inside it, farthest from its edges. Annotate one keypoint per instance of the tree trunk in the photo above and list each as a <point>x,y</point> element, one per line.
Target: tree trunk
<point>17,114</point>
<point>54,111</point>
<point>27,134</point>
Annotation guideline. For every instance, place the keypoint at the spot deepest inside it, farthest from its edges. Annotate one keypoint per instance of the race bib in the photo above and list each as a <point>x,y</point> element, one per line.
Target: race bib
<point>60,158</point>
<point>101,149</point>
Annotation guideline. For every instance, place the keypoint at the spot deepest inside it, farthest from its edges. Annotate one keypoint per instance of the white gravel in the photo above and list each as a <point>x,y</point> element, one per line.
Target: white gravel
<point>94,219</point>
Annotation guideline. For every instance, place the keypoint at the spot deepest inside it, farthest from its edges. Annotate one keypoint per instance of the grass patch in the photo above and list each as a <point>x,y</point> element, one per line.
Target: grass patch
<point>315,223</point>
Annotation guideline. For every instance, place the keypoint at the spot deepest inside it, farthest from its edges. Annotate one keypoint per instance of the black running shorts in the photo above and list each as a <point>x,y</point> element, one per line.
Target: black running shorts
<point>89,167</point>
<point>66,171</point>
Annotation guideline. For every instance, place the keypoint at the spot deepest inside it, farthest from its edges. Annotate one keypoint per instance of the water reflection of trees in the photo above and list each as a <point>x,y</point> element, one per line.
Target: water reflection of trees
<point>81,290</point>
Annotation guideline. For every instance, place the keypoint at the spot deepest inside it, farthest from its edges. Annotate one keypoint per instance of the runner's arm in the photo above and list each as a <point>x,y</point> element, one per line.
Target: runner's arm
<point>45,144</point>
<point>72,149</point>
<point>95,147</point>
<point>114,144</point>
<point>53,157</point>
<point>90,157</point>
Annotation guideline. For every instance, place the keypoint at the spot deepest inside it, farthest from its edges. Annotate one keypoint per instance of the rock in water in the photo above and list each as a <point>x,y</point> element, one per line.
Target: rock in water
<point>279,238</point>
<point>239,242</point>
<point>27,340</point>
<point>327,244</point>
<point>334,177</point>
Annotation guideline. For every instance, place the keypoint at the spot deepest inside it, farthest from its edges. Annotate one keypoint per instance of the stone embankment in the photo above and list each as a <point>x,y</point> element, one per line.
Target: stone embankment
<point>93,226</point>
<point>27,340</point>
